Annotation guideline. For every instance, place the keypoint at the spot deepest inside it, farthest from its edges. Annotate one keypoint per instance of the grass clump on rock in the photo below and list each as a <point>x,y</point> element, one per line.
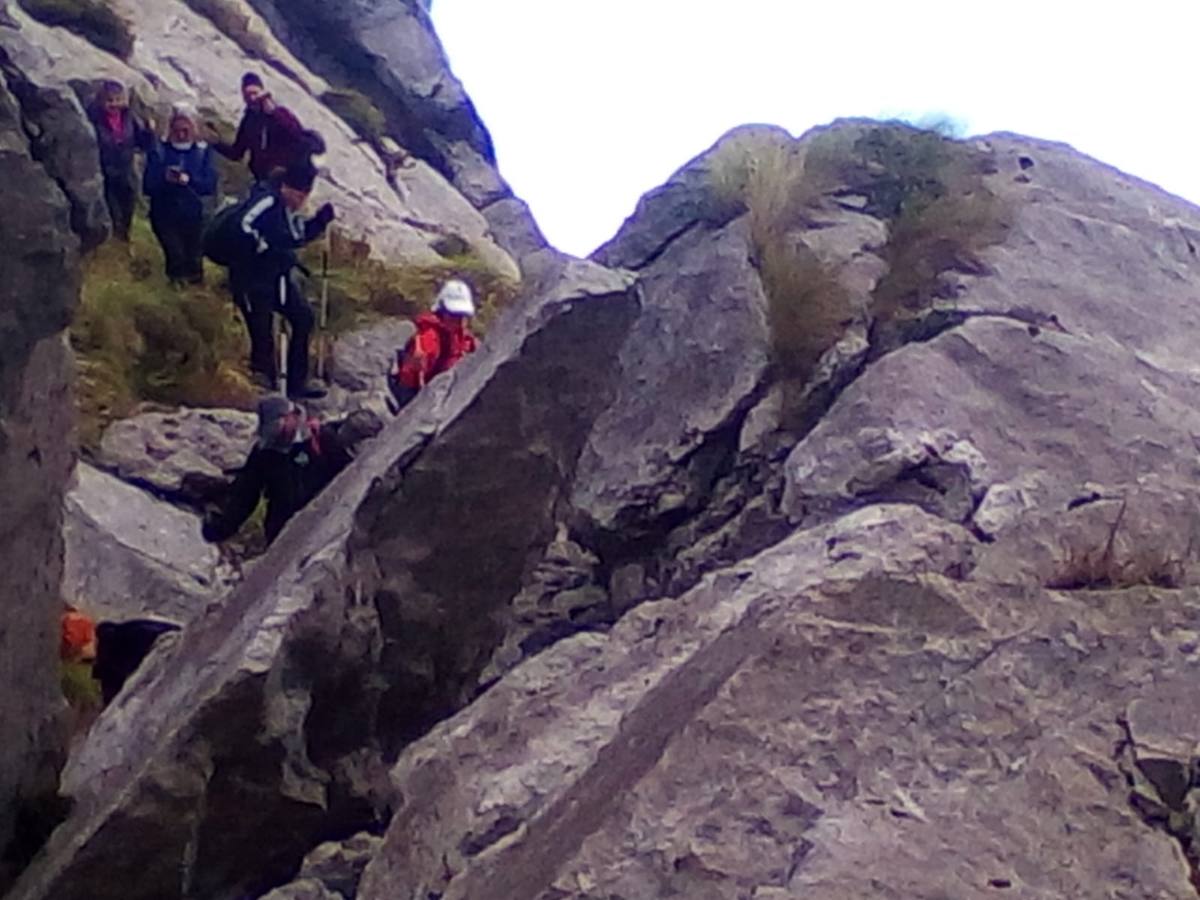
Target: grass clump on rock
<point>927,187</point>
<point>92,20</point>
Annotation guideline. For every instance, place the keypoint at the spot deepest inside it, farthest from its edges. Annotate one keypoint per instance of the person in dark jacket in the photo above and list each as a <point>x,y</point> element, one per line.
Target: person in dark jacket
<point>270,133</point>
<point>291,462</point>
<point>179,177</point>
<point>265,283</point>
<point>119,135</point>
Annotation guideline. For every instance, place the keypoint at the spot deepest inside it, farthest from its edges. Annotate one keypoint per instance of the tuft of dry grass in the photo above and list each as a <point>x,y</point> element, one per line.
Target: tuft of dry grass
<point>1104,567</point>
<point>928,188</point>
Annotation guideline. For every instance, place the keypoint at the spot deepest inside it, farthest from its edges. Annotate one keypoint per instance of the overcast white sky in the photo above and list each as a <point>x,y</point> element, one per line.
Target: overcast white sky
<point>593,102</point>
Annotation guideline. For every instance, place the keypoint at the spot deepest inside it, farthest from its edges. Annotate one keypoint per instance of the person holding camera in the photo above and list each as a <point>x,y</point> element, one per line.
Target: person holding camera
<point>179,178</point>
<point>270,133</point>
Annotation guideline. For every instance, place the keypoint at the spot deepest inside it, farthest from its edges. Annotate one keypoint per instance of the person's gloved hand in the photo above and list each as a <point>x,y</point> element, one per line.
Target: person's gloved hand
<point>324,215</point>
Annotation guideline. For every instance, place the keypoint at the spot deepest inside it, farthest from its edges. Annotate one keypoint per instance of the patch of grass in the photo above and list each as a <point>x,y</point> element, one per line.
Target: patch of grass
<point>137,339</point>
<point>362,289</point>
<point>92,20</point>
<point>927,187</point>
<point>358,111</point>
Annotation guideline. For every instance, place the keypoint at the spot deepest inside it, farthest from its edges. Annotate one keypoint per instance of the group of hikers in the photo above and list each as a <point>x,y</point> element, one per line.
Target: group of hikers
<point>256,239</point>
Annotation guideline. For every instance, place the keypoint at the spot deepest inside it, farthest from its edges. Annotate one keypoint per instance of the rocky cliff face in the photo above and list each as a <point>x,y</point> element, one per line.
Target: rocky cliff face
<point>624,608</point>
<point>39,286</point>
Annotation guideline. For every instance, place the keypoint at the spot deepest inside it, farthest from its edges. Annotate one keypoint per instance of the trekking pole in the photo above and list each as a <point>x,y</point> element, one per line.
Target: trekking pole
<point>323,321</point>
<point>282,344</point>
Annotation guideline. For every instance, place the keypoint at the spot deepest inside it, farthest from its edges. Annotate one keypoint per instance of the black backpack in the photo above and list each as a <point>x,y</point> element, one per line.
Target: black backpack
<point>225,243</point>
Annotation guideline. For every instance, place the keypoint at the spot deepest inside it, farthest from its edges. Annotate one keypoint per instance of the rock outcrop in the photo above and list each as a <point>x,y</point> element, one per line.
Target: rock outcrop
<point>368,620</point>
<point>388,50</point>
<point>39,287</point>
<point>129,555</point>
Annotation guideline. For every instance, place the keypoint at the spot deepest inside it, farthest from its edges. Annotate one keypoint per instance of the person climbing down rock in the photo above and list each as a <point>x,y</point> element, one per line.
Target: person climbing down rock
<point>121,648</point>
<point>270,133</point>
<point>258,240</point>
<point>119,135</point>
<point>441,340</point>
<point>292,460</point>
<point>179,176</point>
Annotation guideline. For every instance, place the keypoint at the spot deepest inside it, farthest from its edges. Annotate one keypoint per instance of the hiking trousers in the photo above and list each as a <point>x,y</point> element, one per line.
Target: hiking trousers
<point>181,238</point>
<point>259,301</point>
<point>121,196</point>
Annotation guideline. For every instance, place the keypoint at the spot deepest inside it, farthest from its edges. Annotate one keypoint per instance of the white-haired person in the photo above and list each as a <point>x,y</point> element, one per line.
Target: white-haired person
<point>443,337</point>
<point>179,178</point>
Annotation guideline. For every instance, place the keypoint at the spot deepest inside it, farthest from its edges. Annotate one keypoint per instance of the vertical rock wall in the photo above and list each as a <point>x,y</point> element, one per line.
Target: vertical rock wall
<point>39,286</point>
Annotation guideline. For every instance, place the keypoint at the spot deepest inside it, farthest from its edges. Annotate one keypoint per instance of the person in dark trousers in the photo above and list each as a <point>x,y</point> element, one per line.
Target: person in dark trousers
<point>179,177</point>
<point>264,282</point>
<point>291,462</point>
<point>270,133</point>
<point>119,135</point>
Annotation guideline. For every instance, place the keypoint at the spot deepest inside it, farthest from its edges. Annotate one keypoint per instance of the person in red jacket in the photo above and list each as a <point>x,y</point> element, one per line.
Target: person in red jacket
<point>271,133</point>
<point>443,337</point>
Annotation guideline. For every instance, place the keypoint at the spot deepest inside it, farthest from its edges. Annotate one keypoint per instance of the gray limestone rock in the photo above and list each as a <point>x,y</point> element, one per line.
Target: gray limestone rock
<point>129,555</point>
<point>272,707</point>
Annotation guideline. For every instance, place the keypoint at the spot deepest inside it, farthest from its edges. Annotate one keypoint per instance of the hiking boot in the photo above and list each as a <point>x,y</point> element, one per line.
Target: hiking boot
<point>312,390</point>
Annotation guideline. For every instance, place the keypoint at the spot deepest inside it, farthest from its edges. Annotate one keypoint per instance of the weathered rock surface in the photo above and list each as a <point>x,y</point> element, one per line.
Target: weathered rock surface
<point>333,870</point>
<point>359,363</point>
<point>181,55</point>
<point>39,287</point>
<point>129,555</point>
<point>358,630</point>
<point>812,722</point>
<point>182,455</point>
<point>389,51</point>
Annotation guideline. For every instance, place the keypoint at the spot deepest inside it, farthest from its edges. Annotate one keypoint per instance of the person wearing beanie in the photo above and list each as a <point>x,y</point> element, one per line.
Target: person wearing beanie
<point>264,282</point>
<point>119,136</point>
<point>179,178</point>
<point>270,133</point>
<point>292,460</point>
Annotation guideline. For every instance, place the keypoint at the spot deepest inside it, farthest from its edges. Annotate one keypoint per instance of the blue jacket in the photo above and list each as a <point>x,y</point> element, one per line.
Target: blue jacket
<point>179,200</point>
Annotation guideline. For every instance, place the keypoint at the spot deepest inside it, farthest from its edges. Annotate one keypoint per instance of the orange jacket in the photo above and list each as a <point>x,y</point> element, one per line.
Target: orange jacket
<point>78,641</point>
<point>440,342</point>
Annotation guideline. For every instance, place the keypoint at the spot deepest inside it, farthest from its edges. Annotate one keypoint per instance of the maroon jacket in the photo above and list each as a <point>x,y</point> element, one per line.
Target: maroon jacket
<point>274,141</point>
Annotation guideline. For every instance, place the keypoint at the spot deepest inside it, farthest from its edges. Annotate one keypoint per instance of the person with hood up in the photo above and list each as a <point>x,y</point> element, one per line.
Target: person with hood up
<point>293,459</point>
<point>264,282</point>
<point>179,178</point>
<point>443,337</point>
<point>270,133</point>
<point>119,135</point>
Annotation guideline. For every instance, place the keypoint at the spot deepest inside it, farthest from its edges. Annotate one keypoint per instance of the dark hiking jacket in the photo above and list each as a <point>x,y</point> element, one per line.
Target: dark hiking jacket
<point>182,201</point>
<point>274,141</point>
<point>276,234</point>
<point>117,149</point>
<point>289,478</point>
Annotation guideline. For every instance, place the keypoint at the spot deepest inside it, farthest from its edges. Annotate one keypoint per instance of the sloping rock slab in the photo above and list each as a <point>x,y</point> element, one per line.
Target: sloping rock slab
<point>182,455</point>
<point>690,370</point>
<point>826,720</point>
<point>129,555</point>
<point>255,739</point>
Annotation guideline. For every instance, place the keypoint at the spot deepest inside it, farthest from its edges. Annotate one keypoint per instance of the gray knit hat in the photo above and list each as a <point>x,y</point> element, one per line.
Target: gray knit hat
<point>271,409</point>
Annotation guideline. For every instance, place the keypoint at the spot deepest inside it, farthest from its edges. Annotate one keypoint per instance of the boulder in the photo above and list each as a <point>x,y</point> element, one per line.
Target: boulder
<point>182,455</point>
<point>372,615</point>
<point>333,870</point>
<point>514,227</point>
<point>129,555</point>
<point>39,288</point>
<point>359,363</point>
<point>821,720</point>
